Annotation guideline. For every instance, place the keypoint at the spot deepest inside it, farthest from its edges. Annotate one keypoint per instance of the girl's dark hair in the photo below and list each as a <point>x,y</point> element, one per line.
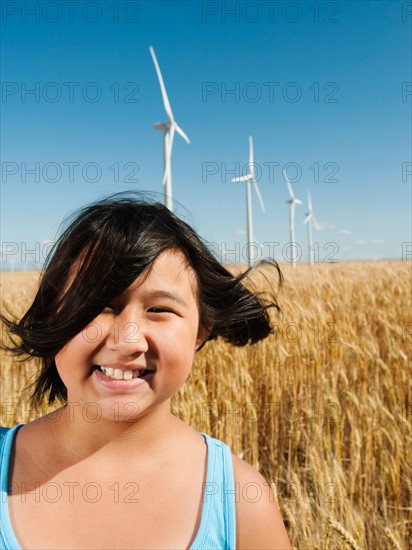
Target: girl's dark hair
<point>107,245</point>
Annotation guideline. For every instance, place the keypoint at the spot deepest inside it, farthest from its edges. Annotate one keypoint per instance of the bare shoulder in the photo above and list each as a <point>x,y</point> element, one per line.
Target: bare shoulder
<point>259,524</point>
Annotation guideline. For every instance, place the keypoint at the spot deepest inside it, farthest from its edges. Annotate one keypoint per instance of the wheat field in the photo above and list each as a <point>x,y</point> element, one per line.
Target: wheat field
<point>322,407</point>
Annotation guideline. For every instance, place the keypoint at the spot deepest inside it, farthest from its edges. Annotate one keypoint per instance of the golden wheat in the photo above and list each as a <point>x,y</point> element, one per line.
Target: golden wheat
<point>346,537</point>
<point>322,407</point>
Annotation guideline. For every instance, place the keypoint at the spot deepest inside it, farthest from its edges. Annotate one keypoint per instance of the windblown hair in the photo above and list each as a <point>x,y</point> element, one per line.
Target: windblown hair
<point>103,249</point>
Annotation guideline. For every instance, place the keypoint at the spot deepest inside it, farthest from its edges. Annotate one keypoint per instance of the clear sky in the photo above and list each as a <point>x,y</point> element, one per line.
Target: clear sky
<point>324,88</point>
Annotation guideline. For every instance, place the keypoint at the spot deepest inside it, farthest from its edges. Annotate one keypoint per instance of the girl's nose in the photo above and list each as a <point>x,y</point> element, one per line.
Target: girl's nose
<point>127,337</point>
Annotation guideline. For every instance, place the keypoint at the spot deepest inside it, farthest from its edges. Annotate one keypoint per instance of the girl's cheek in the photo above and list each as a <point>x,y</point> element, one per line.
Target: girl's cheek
<point>81,344</point>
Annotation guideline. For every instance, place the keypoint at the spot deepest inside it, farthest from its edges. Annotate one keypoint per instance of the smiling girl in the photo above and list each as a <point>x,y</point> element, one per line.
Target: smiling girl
<point>127,297</point>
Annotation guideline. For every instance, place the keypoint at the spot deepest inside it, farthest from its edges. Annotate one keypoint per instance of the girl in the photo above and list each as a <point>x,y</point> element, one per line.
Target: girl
<point>128,295</point>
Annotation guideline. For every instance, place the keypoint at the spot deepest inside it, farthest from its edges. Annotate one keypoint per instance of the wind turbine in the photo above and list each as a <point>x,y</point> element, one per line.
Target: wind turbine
<point>168,128</point>
<point>248,178</point>
<point>309,219</point>
<point>293,201</point>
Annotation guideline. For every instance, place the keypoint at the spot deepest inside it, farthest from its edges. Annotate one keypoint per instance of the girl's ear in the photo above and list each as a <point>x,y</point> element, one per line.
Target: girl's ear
<point>202,334</point>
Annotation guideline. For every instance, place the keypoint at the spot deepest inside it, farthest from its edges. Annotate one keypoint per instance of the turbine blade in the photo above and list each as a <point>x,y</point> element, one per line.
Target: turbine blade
<point>316,225</point>
<point>309,202</point>
<point>297,201</point>
<point>292,196</point>
<point>308,217</point>
<point>255,185</point>
<point>166,102</point>
<point>181,133</point>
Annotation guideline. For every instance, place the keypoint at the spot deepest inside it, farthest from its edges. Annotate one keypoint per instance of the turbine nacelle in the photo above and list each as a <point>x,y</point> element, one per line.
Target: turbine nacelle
<point>294,201</point>
<point>163,126</point>
<point>311,216</point>
<point>250,177</point>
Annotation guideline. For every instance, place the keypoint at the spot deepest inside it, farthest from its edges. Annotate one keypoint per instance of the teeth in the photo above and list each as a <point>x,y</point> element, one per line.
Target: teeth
<point>108,371</point>
<point>118,374</point>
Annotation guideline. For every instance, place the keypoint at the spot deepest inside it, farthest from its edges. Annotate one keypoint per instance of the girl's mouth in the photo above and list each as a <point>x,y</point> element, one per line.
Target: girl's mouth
<point>119,374</point>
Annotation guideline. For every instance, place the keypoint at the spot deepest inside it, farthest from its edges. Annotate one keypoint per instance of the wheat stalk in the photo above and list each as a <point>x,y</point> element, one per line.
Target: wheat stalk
<point>344,535</point>
<point>394,543</point>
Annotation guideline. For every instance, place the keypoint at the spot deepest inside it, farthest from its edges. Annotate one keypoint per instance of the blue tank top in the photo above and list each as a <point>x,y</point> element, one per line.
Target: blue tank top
<point>217,529</point>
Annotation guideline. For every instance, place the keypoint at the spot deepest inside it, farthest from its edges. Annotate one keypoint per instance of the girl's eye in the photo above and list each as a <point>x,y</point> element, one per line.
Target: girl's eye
<point>159,310</point>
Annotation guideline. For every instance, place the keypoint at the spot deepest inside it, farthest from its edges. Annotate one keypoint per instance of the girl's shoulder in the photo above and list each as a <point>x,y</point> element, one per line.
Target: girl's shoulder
<point>259,523</point>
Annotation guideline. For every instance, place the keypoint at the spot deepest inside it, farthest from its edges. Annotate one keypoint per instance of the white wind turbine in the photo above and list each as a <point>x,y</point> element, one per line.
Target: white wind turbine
<point>309,219</point>
<point>168,128</point>
<point>293,201</point>
<point>248,178</point>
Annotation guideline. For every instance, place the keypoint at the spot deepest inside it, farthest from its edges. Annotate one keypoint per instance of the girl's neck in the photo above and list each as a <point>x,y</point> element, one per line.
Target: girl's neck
<point>78,439</point>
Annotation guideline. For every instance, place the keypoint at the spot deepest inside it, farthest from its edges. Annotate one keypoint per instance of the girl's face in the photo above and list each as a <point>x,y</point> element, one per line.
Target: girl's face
<point>137,352</point>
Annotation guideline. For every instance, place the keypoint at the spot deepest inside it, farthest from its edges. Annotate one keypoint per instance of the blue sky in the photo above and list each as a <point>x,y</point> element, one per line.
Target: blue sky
<point>324,88</point>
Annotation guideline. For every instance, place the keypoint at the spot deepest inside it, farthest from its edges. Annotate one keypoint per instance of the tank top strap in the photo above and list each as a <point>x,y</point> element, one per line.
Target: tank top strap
<point>217,528</point>
<point>7,538</point>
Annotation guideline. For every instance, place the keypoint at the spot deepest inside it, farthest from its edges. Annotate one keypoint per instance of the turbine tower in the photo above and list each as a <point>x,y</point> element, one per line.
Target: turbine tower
<point>168,128</point>
<point>308,220</point>
<point>250,178</point>
<point>293,201</point>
